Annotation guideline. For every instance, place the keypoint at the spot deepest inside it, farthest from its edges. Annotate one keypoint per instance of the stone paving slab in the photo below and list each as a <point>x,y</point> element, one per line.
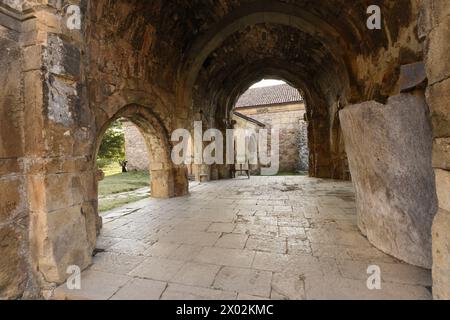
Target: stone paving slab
<point>264,238</point>
<point>140,289</point>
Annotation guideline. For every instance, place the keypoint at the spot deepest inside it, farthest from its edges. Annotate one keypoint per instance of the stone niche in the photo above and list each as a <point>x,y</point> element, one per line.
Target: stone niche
<point>389,151</point>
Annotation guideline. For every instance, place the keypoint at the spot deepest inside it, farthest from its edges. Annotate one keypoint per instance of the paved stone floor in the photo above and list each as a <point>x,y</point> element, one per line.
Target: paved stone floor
<point>264,238</point>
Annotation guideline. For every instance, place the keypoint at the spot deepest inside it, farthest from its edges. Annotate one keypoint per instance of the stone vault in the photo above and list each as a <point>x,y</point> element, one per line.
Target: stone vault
<point>163,64</point>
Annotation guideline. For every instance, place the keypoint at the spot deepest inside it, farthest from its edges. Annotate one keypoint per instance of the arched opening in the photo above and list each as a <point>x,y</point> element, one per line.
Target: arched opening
<point>184,61</point>
<point>157,142</point>
<point>123,164</point>
<point>274,104</point>
<point>257,44</point>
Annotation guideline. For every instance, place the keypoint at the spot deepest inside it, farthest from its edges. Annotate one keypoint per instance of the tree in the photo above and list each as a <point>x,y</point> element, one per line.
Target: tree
<point>112,148</point>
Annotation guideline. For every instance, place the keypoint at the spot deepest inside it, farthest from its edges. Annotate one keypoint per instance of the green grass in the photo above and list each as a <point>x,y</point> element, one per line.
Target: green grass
<point>123,182</point>
<point>108,204</point>
<point>111,169</point>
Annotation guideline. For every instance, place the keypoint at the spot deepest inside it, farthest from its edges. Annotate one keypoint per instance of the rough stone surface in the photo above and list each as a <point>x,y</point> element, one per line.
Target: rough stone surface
<point>435,16</point>
<point>136,152</point>
<point>443,188</point>
<point>389,149</point>
<point>441,255</point>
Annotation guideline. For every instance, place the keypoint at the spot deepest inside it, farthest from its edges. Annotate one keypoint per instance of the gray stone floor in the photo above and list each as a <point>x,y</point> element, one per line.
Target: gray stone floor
<point>264,238</point>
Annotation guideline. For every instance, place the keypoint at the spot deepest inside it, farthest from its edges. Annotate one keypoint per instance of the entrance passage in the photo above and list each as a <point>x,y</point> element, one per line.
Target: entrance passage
<point>289,237</point>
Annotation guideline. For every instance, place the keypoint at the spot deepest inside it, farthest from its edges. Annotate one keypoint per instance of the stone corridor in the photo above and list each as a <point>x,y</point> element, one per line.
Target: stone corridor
<point>264,238</point>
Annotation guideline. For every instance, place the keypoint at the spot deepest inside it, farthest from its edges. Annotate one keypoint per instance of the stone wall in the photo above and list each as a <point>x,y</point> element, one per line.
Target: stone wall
<point>136,151</point>
<point>289,119</point>
<point>14,207</point>
<point>160,65</point>
<point>435,31</point>
<point>241,123</point>
<point>50,211</point>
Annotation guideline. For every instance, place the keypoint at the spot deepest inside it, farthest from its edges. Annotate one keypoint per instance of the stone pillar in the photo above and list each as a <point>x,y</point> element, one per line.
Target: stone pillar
<point>181,182</point>
<point>15,266</point>
<point>59,223</point>
<point>389,151</point>
<point>434,28</point>
<point>320,165</point>
<point>168,181</point>
<point>202,172</point>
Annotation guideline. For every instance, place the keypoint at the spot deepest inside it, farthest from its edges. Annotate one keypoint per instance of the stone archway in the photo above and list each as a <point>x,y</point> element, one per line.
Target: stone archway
<point>175,59</point>
<point>167,180</point>
<point>338,76</point>
<point>318,130</point>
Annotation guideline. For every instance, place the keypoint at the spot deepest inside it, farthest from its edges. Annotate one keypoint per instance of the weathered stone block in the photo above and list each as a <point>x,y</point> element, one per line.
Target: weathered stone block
<point>12,198</point>
<point>33,119</point>
<point>68,244</point>
<point>433,13</point>
<point>441,255</point>
<point>10,166</point>
<point>162,183</point>
<point>437,64</point>
<point>62,61</point>
<point>389,151</point>
<point>441,153</point>
<point>443,188</point>
<point>181,182</point>
<point>11,107</point>
<point>438,97</point>
<point>58,191</point>
<point>13,270</point>
<point>412,75</point>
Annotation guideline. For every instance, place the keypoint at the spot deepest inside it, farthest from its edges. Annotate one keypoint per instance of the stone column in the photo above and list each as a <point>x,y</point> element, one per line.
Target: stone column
<point>320,165</point>
<point>434,28</point>
<point>168,181</point>
<point>57,133</point>
<point>15,263</point>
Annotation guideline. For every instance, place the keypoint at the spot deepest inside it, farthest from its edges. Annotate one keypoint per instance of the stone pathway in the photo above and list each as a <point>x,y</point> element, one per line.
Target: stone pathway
<point>264,238</point>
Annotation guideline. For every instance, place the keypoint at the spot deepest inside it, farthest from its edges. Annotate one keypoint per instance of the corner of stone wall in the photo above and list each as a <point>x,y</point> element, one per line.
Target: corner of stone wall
<point>434,30</point>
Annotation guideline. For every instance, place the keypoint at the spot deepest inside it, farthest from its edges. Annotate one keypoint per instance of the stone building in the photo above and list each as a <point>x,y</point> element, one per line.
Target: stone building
<point>253,126</point>
<point>136,151</point>
<point>376,105</point>
<point>281,107</point>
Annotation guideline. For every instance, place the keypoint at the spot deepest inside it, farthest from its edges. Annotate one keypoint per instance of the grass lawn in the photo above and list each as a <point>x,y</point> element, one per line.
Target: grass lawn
<point>123,182</point>
<point>109,204</point>
<point>111,169</point>
<point>116,182</point>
